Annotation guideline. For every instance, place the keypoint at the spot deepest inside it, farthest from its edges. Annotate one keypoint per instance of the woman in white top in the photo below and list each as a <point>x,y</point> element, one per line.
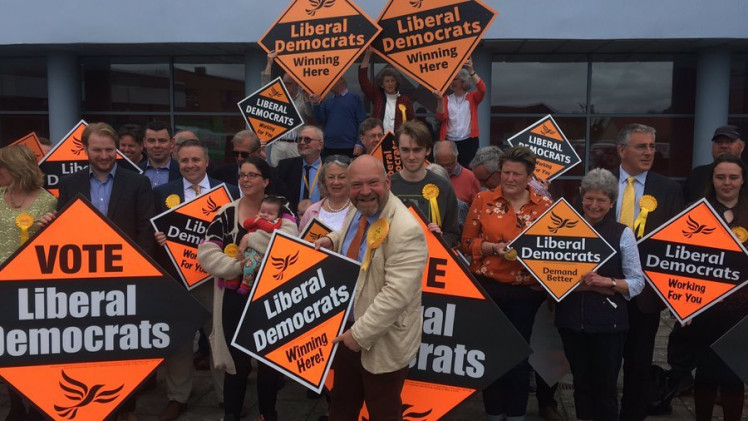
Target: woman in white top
<point>335,189</point>
<point>458,112</point>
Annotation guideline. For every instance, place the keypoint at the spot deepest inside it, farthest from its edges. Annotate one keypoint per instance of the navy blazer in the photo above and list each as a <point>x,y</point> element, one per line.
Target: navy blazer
<point>163,191</point>
<point>669,195</point>
<point>289,173</point>
<point>174,173</point>
<point>130,205</point>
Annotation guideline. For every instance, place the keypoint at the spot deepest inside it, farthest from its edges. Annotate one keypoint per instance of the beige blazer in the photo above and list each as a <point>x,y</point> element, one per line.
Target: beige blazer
<point>387,300</point>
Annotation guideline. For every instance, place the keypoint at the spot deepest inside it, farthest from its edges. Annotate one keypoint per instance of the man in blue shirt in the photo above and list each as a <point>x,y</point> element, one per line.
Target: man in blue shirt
<point>159,167</point>
<point>340,115</point>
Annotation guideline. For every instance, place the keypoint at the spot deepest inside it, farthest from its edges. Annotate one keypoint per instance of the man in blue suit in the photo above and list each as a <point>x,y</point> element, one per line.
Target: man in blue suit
<point>192,157</point>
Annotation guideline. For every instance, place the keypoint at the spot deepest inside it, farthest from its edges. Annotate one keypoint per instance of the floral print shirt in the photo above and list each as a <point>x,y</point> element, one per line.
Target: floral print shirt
<point>491,218</point>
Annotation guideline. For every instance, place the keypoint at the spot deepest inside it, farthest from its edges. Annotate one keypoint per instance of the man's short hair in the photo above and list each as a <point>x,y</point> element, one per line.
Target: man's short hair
<point>157,126</point>
<point>193,142</point>
<point>488,156</point>
<point>452,147</point>
<point>623,136</point>
<point>417,131</point>
<point>369,124</point>
<point>243,135</point>
<point>100,129</point>
<point>133,130</point>
<point>319,131</point>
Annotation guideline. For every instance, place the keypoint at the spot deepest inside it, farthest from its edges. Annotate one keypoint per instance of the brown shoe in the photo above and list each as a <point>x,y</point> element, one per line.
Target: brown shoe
<point>172,411</point>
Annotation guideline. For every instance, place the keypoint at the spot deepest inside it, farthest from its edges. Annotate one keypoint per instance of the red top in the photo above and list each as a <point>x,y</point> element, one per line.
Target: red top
<point>379,100</point>
<point>474,98</point>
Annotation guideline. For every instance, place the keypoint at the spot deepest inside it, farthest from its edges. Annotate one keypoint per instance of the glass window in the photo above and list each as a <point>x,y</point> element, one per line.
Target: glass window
<point>546,88</point>
<point>214,132</point>
<point>674,143</point>
<point>207,86</point>
<point>739,84</point>
<point>23,84</point>
<point>125,85</point>
<point>14,127</point>
<point>119,119</point>
<point>502,128</point>
<point>650,87</point>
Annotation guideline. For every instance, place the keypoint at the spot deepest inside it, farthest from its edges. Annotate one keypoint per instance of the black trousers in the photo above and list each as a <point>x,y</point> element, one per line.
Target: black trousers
<point>595,360</point>
<point>466,150</point>
<point>637,362</point>
<point>269,381</point>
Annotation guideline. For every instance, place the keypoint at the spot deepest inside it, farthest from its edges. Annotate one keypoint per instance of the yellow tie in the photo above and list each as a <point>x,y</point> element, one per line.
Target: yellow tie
<point>197,189</point>
<point>627,204</point>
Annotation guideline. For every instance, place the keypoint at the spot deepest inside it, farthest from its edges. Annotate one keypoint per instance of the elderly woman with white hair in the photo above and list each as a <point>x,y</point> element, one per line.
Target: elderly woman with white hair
<point>458,112</point>
<point>593,319</point>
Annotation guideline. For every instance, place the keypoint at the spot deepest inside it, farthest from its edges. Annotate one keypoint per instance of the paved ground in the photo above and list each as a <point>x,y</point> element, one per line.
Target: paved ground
<point>293,405</point>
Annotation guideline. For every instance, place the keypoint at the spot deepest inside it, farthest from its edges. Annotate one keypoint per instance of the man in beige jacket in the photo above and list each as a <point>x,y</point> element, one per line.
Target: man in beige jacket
<point>384,334</point>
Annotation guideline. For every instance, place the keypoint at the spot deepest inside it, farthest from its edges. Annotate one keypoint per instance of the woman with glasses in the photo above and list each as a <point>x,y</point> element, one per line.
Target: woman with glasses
<point>335,189</point>
<point>387,103</point>
<point>218,256</point>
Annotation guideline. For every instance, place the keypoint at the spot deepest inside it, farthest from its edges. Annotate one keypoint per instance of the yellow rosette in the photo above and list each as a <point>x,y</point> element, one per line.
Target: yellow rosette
<point>231,250</point>
<point>647,204</point>
<point>510,254</point>
<point>374,237</point>
<point>172,200</point>
<point>741,233</point>
<point>401,107</point>
<point>24,221</point>
<point>430,192</point>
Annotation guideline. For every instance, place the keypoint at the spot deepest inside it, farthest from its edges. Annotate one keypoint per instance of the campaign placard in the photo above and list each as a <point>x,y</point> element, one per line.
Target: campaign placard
<point>388,154</point>
<point>559,248</point>
<point>555,155</point>
<point>693,261</point>
<point>31,141</point>
<point>431,40</point>
<point>467,342</point>
<point>68,156</point>
<point>732,348</point>
<point>317,40</point>
<point>314,230</point>
<point>184,226</point>
<point>270,112</point>
<point>298,304</point>
<point>87,316</point>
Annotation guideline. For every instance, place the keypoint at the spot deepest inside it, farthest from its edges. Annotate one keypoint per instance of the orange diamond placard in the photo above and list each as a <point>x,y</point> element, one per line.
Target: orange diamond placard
<point>185,226</point>
<point>559,248</point>
<point>68,156</point>
<point>693,261</point>
<point>431,40</point>
<point>87,316</point>
<point>298,304</point>
<point>31,141</point>
<point>270,112</point>
<point>554,152</point>
<point>317,40</point>
<point>314,230</point>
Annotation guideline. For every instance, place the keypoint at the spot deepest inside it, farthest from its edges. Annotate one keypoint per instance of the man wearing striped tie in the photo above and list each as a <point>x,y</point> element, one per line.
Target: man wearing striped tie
<point>646,200</point>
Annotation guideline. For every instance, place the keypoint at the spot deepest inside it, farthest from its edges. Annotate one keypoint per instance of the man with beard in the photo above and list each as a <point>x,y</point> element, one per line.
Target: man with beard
<point>384,332</point>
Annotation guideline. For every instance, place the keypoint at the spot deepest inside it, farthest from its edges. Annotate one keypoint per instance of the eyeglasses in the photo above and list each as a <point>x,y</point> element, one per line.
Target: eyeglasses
<point>374,135</point>
<point>249,175</point>
<point>483,180</point>
<point>304,139</point>
<point>240,154</point>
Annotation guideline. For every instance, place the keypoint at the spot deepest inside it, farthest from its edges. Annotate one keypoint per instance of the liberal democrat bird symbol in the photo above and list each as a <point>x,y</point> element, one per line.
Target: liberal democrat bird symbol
<point>282,264</point>
<point>416,3</point>
<point>559,223</point>
<point>78,146</point>
<point>696,228</point>
<point>318,4</point>
<point>546,130</point>
<point>211,207</point>
<point>77,391</point>
<point>274,93</point>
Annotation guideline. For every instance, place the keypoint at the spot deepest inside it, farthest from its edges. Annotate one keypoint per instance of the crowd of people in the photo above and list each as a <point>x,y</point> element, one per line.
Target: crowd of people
<point>477,200</point>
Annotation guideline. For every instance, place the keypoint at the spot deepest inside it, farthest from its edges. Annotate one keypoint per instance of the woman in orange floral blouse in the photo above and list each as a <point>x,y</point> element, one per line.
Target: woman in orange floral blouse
<point>495,218</point>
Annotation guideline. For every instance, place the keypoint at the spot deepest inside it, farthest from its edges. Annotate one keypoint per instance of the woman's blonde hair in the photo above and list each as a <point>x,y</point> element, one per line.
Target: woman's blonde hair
<point>21,164</point>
